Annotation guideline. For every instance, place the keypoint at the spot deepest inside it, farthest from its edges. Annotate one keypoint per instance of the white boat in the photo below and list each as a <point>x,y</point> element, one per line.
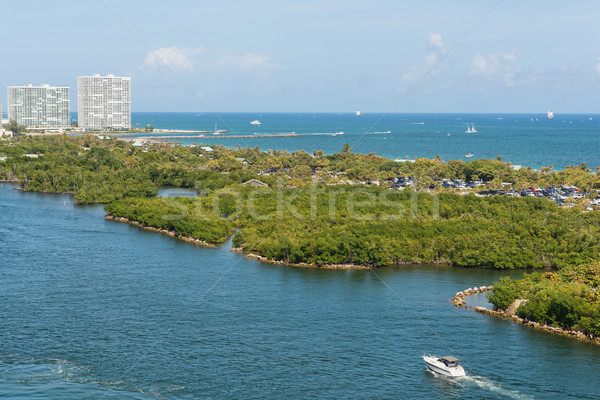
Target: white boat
<point>469,155</point>
<point>358,113</point>
<point>473,130</point>
<point>338,133</point>
<point>255,122</point>
<point>447,365</point>
<point>468,129</point>
<point>550,114</point>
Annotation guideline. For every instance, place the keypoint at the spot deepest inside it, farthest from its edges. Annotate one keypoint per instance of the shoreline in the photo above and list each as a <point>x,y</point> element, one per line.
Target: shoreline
<point>163,231</point>
<point>330,266</point>
<point>43,191</point>
<point>298,265</point>
<point>459,301</point>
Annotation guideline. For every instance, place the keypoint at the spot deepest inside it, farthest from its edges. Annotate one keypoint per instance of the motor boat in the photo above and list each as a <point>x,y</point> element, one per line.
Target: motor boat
<point>447,365</point>
<point>255,122</point>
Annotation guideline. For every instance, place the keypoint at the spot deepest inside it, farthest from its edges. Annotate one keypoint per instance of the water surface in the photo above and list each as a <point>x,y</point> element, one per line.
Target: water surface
<point>93,308</point>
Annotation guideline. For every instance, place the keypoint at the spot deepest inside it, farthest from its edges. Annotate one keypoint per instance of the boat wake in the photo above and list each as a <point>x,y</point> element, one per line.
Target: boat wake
<point>57,378</point>
<point>464,382</point>
<point>486,383</point>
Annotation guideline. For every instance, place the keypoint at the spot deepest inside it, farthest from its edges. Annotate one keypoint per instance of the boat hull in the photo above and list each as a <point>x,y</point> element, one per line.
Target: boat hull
<point>438,367</point>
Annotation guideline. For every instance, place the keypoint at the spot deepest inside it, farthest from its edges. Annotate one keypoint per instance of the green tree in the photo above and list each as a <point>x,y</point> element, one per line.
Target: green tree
<point>14,127</point>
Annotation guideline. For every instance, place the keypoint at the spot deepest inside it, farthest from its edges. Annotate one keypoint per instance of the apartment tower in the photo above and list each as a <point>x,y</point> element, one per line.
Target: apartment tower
<point>104,102</point>
<point>39,107</point>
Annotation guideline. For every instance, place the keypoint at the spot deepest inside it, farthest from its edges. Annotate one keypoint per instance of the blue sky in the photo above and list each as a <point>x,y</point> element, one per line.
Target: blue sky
<point>328,56</point>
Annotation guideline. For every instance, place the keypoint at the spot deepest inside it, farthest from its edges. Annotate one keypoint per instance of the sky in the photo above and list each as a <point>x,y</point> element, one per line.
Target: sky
<point>435,56</point>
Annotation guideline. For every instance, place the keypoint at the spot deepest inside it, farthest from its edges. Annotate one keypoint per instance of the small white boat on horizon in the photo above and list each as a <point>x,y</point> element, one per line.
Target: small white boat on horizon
<point>550,114</point>
<point>470,129</point>
<point>358,113</point>
<point>447,365</point>
<point>469,155</point>
<point>255,122</point>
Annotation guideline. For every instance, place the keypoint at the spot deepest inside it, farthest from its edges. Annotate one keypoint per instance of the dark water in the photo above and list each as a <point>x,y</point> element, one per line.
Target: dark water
<point>93,308</point>
<point>524,139</point>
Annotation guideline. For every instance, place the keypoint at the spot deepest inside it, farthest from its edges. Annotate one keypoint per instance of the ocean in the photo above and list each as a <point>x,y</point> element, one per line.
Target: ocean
<point>530,140</point>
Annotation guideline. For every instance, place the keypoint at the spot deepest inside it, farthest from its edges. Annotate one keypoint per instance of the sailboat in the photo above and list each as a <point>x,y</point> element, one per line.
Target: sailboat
<point>473,130</point>
<point>550,114</point>
<point>358,113</point>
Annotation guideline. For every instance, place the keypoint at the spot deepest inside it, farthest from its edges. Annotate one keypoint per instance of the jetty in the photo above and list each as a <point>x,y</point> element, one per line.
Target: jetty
<point>219,137</point>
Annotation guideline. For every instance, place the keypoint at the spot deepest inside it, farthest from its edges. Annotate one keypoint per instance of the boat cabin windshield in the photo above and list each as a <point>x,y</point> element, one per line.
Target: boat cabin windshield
<point>449,361</point>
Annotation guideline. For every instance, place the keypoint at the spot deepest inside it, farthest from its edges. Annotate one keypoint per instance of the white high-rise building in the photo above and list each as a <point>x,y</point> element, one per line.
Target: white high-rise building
<point>104,102</point>
<point>39,106</point>
<point>2,131</point>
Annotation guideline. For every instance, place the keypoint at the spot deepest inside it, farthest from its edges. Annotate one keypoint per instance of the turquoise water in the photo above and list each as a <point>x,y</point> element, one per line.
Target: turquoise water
<point>524,139</point>
<point>93,308</point>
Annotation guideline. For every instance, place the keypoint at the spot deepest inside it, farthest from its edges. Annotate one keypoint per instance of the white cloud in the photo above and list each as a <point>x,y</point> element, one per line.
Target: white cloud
<point>436,49</point>
<point>436,43</point>
<point>247,61</point>
<point>493,67</point>
<point>598,67</point>
<point>173,57</point>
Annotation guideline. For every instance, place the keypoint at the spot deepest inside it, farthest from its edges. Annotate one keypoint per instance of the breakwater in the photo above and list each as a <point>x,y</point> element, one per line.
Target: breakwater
<point>459,300</point>
<point>219,137</point>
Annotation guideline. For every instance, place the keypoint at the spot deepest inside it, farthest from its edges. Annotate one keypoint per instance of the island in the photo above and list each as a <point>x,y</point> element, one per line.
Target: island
<point>340,210</point>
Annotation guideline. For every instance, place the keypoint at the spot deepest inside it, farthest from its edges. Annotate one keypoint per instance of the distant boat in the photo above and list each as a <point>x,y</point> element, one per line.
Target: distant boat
<point>358,113</point>
<point>255,122</point>
<point>469,129</point>
<point>550,114</point>
<point>469,155</point>
<point>499,118</point>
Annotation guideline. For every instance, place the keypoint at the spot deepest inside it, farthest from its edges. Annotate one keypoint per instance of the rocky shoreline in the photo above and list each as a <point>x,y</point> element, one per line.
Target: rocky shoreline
<point>163,231</point>
<point>459,301</point>
<point>299,265</point>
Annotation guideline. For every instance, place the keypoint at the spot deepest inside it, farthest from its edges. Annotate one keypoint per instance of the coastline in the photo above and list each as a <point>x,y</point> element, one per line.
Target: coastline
<point>459,301</point>
<point>42,191</point>
<point>299,265</point>
<point>163,231</point>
